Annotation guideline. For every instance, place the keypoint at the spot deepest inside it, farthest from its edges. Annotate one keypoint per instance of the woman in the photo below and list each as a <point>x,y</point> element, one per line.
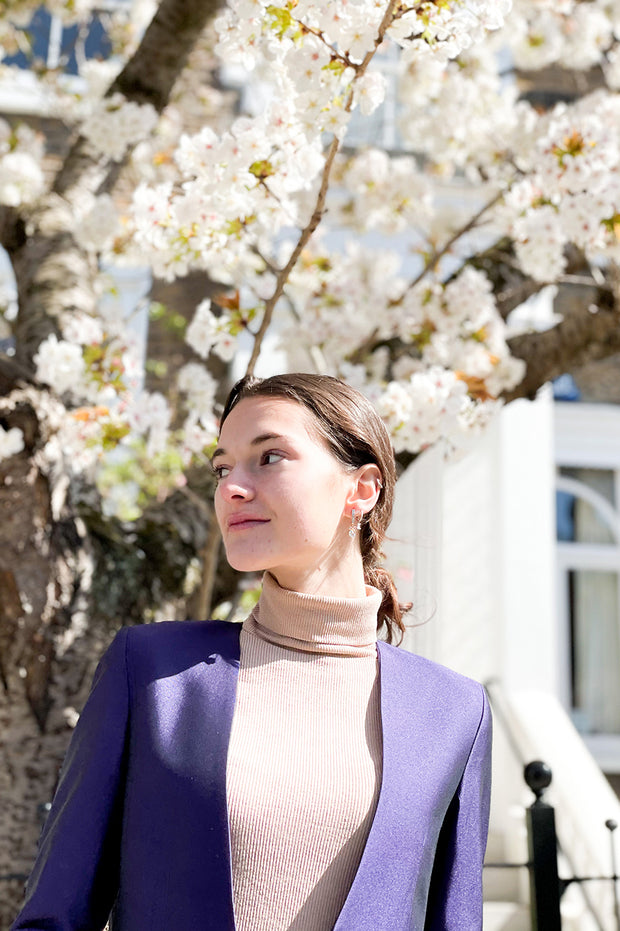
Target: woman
<point>293,773</point>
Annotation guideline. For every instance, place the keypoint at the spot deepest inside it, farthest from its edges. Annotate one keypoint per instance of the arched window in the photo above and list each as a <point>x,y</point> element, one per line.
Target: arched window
<point>588,555</point>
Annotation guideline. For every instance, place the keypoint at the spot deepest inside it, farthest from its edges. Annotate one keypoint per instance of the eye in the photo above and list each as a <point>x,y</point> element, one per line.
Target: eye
<point>221,471</point>
<point>271,457</point>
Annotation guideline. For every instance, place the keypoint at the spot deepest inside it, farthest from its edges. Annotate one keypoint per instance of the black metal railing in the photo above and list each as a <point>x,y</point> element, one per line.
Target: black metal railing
<point>546,886</point>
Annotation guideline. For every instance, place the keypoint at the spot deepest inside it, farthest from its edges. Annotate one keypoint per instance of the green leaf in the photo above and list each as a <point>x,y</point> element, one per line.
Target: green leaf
<point>262,169</point>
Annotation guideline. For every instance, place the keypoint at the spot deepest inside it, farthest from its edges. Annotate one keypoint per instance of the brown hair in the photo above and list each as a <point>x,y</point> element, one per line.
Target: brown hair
<point>356,435</point>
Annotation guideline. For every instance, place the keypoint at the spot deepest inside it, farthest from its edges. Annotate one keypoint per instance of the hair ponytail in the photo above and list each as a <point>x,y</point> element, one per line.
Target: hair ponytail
<point>372,534</point>
<point>391,610</point>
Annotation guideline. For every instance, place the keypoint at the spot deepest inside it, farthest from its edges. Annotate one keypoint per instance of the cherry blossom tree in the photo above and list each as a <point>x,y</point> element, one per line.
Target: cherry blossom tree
<point>400,270</point>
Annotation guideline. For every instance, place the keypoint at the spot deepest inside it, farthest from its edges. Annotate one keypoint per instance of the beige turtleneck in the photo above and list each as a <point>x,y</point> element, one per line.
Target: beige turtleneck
<point>304,759</point>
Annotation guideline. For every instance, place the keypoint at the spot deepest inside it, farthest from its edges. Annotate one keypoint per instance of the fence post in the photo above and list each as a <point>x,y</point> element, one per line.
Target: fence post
<point>543,852</point>
<point>611,826</point>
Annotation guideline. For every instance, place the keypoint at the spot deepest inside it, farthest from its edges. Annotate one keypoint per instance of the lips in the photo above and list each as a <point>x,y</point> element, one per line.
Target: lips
<point>245,521</point>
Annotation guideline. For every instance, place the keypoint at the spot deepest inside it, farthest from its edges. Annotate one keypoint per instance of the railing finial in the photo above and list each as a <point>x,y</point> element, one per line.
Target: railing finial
<point>538,776</point>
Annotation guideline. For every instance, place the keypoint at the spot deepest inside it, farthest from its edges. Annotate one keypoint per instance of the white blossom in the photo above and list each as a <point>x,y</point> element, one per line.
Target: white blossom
<point>11,442</point>
<point>199,434</point>
<point>21,179</point>
<point>232,199</point>
<point>60,364</point>
<point>116,124</point>
<point>99,225</point>
<point>207,332</point>
<point>148,414</point>
<point>539,244</point>
<point>199,385</point>
<point>419,411</point>
<point>81,329</point>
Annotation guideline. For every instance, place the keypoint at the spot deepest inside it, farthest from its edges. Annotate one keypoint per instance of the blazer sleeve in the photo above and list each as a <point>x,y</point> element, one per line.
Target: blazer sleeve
<point>455,894</point>
<point>74,880</point>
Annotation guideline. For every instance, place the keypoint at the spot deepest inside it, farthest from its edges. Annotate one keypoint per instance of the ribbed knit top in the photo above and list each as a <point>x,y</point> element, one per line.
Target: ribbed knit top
<point>304,759</point>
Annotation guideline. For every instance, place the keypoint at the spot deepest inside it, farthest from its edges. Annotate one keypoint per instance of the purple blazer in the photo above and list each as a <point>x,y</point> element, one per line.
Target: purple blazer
<point>139,823</point>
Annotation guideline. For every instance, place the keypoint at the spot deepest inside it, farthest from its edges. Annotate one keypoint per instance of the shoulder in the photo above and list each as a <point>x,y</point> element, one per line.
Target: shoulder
<point>443,687</point>
<point>169,631</point>
<point>415,665</point>
<point>178,643</point>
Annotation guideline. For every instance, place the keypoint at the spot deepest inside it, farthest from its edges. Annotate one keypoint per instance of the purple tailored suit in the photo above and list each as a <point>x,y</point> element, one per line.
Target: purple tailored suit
<point>139,823</point>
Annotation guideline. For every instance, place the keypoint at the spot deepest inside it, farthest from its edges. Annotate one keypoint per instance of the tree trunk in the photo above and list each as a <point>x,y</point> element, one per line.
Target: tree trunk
<point>47,653</point>
<point>68,581</point>
<point>59,578</point>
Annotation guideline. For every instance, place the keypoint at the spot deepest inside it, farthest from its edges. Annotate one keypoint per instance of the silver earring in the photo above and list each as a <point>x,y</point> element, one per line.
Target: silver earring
<point>356,523</point>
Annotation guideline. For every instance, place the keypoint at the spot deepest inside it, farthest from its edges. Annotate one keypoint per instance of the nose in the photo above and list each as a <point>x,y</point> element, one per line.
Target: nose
<point>235,486</point>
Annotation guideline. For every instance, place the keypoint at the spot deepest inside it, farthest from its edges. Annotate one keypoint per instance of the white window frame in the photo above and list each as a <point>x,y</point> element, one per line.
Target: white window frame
<point>587,436</point>
<point>20,92</point>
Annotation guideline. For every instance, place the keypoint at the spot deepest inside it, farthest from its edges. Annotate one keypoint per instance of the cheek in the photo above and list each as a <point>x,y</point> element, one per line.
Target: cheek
<point>217,506</point>
<point>325,506</point>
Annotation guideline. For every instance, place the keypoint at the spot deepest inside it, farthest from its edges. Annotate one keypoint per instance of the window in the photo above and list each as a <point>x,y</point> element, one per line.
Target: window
<point>589,559</point>
<point>60,46</point>
<point>588,556</point>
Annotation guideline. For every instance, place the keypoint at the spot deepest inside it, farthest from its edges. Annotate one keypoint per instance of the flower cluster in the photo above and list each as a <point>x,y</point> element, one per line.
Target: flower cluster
<point>456,325</point>
<point>238,194</point>
<point>390,195</point>
<point>60,364</point>
<point>421,409</point>
<point>460,114</point>
<point>440,349</point>
<point>98,225</point>
<point>21,177</point>
<point>207,332</point>
<point>241,188</point>
<point>571,189</point>
<point>566,32</point>
<point>200,429</point>
<point>235,199</point>
<point>116,124</point>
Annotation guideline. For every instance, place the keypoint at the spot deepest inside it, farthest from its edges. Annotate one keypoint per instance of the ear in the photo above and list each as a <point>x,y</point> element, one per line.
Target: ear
<point>367,484</point>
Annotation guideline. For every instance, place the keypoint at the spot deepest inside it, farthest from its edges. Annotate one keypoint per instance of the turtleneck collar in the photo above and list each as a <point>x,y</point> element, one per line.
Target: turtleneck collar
<point>316,623</point>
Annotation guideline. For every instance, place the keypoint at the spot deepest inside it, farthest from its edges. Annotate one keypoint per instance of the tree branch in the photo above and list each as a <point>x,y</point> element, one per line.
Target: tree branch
<point>438,254</point>
<point>284,273</point>
<point>589,332</point>
<point>12,229</point>
<point>209,555</point>
<point>148,77</point>
<point>317,213</point>
<point>11,373</point>
<point>53,272</point>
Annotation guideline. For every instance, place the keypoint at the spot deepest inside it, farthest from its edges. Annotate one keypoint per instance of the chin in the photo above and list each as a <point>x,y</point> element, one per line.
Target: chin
<point>245,563</point>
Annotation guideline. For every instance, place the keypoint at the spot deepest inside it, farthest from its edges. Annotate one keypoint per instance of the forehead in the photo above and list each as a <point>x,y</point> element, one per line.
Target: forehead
<point>261,415</point>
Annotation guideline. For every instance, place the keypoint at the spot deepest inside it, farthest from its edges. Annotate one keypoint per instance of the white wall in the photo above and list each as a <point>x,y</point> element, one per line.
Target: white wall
<point>474,548</point>
<point>530,650</point>
<point>470,624</point>
<point>414,548</point>
<point>477,546</point>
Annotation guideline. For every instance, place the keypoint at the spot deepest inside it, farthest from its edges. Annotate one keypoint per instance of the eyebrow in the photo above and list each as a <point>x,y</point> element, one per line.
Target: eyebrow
<point>262,438</point>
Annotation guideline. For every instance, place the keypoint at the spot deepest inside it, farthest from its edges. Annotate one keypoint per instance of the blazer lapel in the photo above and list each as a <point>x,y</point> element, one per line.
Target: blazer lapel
<point>185,705</point>
<point>390,889</point>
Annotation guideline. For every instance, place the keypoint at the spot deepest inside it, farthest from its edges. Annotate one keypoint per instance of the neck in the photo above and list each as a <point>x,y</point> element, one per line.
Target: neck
<point>316,623</point>
<point>343,579</point>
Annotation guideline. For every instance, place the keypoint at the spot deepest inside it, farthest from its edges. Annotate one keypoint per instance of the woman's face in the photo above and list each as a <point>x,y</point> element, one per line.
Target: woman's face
<point>281,498</point>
